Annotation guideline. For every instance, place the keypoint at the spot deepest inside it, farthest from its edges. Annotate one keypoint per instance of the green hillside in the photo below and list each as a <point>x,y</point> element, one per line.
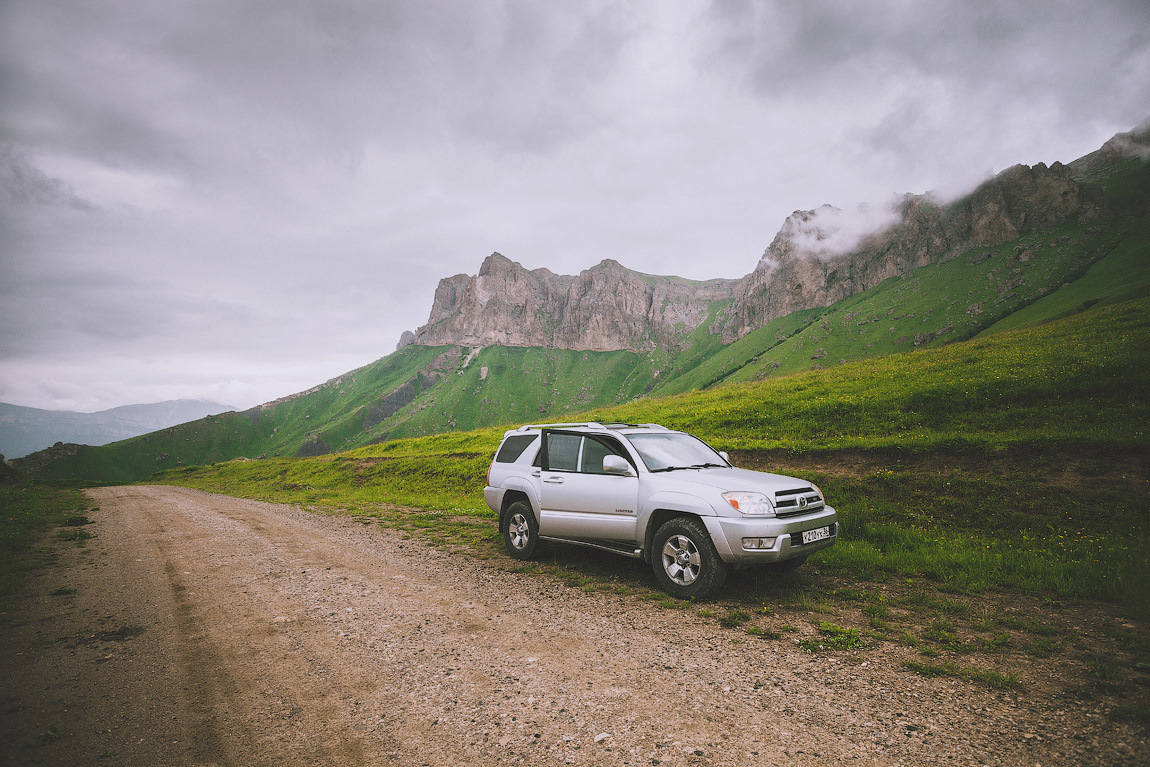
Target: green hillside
<point>1012,461</point>
<point>422,390</point>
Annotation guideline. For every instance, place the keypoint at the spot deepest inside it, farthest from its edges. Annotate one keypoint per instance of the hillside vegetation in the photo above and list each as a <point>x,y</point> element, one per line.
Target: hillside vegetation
<point>424,390</point>
<point>1066,396</point>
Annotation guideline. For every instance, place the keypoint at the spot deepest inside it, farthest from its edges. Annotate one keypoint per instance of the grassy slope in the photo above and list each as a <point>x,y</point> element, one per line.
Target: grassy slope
<point>1034,279</point>
<point>932,306</point>
<point>279,429</point>
<point>1074,381</point>
<point>505,385</point>
<point>1072,386</point>
<point>1121,276</point>
<point>986,290</point>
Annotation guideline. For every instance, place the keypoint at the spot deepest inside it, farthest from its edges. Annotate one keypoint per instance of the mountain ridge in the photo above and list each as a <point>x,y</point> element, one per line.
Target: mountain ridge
<point>605,308</point>
<point>25,430</point>
<point>609,307</point>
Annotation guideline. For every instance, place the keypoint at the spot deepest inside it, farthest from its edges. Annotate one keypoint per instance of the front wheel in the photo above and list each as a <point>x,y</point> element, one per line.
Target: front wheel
<point>520,531</point>
<point>685,561</point>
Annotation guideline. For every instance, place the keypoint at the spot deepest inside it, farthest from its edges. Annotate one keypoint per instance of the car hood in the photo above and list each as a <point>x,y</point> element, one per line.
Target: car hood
<point>731,479</point>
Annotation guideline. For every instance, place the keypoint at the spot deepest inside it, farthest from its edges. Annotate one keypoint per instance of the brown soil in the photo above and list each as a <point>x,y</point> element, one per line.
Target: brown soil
<point>208,630</point>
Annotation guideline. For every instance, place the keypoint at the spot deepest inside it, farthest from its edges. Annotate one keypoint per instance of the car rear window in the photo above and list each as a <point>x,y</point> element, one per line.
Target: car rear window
<point>513,447</point>
<point>562,452</point>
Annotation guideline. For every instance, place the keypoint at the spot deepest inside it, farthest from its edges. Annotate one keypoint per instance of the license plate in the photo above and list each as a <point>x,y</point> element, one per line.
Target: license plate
<point>810,536</point>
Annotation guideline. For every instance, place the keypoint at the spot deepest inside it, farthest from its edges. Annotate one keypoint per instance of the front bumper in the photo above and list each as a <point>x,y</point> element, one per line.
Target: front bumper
<point>728,534</point>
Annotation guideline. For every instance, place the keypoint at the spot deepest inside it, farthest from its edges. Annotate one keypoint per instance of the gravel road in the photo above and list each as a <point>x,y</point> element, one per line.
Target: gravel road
<point>208,630</point>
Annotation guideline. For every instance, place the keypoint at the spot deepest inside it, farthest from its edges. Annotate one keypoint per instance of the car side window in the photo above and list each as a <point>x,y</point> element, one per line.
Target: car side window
<point>594,451</point>
<point>513,447</point>
<point>563,452</point>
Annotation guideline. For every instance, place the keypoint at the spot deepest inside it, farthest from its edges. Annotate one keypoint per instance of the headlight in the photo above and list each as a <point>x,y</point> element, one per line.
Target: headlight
<point>750,504</point>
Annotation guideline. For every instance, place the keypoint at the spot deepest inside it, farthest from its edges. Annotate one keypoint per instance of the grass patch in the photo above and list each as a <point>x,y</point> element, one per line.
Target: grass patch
<point>832,637</point>
<point>997,643</point>
<point>996,680</point>
<point>73,534</point>
<point>734,619</point>
<point>29,511</point>
<point>942,633</point>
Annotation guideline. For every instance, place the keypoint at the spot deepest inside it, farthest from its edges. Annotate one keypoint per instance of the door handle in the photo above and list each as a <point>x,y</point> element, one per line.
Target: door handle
<point>554,480</point>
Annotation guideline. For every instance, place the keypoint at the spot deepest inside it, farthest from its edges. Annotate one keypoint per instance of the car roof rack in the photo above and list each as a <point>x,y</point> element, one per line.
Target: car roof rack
<point>593,425</point>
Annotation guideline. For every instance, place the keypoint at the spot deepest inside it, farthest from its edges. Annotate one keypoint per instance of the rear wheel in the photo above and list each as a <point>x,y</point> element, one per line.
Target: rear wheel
<point>520,531</point>
<point>685,561</point>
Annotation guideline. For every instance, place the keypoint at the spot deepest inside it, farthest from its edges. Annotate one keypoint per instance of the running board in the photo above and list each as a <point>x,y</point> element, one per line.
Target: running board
<point>626,549</point>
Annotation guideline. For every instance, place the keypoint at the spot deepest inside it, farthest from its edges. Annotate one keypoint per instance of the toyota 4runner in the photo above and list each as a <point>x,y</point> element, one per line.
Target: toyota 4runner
<point>654,494</point>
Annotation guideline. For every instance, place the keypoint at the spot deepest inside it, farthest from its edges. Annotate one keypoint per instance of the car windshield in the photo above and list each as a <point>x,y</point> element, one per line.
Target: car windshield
<point>674,450</point>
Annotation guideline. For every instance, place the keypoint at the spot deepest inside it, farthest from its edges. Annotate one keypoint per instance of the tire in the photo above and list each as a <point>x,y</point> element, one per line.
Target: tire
<point>787,565</point>
<point>520,531</point>
<point>685,561</point>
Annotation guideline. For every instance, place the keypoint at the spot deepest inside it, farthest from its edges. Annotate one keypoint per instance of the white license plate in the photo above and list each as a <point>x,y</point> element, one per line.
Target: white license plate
<point>810,536</point>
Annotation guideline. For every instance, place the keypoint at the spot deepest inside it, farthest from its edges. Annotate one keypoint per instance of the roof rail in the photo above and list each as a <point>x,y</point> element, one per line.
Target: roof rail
<point>615,425</point>
<point>536,426</point>
<point>612,426</point>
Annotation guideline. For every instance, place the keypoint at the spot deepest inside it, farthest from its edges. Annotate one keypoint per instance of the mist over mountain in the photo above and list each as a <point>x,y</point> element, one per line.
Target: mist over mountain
<point>25,430</point>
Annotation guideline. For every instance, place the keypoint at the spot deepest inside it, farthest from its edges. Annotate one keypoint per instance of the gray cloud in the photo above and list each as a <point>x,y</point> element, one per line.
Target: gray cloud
<point>238,199</point>
<point>1074,52</point>
<point>918,82</point>
<point>23,184</point>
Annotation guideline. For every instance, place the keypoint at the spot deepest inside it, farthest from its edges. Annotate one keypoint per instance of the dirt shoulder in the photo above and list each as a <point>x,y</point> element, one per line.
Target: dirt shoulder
<point>208,630</point>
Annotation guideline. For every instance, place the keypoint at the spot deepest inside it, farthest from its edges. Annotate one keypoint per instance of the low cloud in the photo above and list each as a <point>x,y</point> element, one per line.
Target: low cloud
<point>22,183</point>
<point>828,231</point>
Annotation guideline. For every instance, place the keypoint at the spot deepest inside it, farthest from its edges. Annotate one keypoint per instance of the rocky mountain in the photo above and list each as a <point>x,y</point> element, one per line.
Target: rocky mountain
<point>24,430</point>
<point>809,264</point>
<point>796,273</point>
<point>604,308</point>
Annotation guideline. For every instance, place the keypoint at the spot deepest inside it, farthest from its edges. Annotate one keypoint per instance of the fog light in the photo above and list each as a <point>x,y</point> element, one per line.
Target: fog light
<point>758,543</point>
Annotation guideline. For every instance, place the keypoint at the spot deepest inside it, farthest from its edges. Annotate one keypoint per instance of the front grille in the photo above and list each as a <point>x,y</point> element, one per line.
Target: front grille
<point>801,500</point>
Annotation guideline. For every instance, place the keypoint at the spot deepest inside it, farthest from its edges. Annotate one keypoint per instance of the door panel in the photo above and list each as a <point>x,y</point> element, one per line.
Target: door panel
<point>588,505</point>
<point>585,504</point>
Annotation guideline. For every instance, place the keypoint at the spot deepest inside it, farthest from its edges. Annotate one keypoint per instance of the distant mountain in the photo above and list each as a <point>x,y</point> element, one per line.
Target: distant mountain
<point>512,345</point>
<point>25,430</point>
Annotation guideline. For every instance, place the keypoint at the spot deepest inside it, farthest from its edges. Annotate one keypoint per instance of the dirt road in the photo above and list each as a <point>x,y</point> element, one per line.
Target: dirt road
<point>206,630</point>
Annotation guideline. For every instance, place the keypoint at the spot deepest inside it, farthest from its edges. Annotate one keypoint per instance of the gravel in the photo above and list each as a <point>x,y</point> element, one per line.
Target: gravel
<point>209,630</point>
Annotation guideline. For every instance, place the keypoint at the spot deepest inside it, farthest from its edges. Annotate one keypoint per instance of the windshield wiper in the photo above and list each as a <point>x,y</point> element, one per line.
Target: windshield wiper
<point>692,466</point>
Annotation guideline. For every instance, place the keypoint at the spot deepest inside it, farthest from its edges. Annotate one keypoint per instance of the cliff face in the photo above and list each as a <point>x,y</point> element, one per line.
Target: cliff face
<point>810,264</point>
<point>604,308</point>
<point>795,273</point>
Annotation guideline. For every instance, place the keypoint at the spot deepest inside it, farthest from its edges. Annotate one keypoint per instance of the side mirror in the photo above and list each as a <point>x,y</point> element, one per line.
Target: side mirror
<point>616,464</point>
<point>724,456</point>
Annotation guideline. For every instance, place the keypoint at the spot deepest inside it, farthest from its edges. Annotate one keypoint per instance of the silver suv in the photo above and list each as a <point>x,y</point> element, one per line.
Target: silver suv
<point>654,494</point>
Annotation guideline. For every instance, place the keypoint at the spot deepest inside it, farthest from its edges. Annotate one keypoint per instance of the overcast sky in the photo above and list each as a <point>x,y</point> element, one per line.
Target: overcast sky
<point>236,200</point>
